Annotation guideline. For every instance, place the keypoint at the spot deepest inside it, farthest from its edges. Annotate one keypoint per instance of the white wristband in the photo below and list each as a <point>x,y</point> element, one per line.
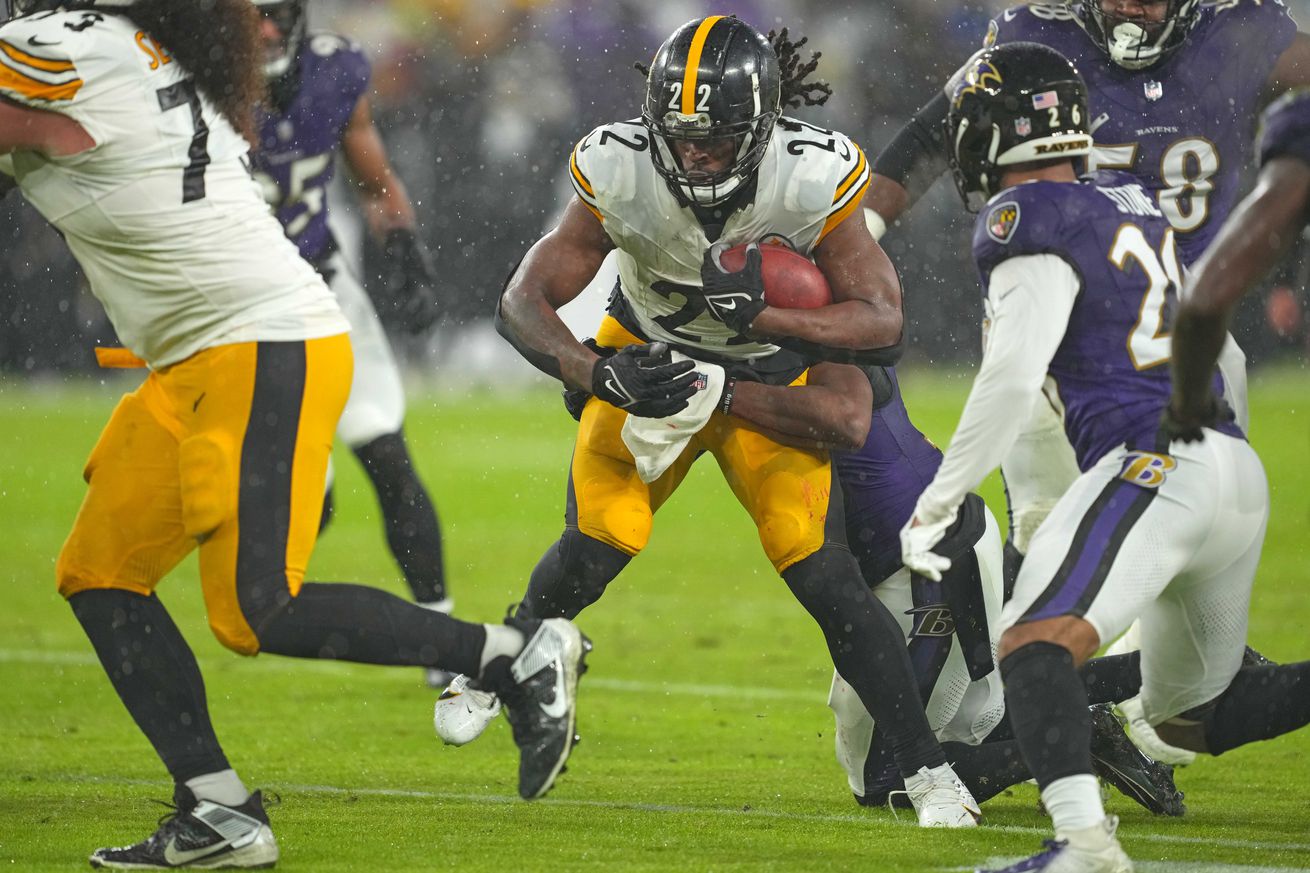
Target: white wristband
<point>877,226</point>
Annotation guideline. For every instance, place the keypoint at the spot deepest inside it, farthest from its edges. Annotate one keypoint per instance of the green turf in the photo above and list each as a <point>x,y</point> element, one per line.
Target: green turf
<point>707,744</point>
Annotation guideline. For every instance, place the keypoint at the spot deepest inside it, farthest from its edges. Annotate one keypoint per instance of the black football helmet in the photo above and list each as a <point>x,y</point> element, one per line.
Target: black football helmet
<point>291,21</point>
<point>1013,104</point>
<point>715,80</point>
<point>1135,44</point>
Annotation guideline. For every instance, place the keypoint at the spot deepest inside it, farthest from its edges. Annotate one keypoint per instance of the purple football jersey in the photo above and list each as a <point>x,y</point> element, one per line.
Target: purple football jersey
<point>1112,367</point>
<point>1285,128</point>
<point>296,159</point>
<point>881,482</point>
<point>1184,127</point>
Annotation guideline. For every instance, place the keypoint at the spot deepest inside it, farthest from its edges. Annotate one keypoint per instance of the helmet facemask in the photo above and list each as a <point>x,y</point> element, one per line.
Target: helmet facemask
<point>289,18</point>
<point>1135,44</point>
<point>745,142</point>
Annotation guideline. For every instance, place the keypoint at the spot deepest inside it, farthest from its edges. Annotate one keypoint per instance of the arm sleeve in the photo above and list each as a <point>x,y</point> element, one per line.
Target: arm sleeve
<point>916,156</point>
<point>1030,298</point>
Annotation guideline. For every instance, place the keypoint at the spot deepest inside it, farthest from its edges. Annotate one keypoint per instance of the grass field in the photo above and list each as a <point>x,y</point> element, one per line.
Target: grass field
<point>707,745</point>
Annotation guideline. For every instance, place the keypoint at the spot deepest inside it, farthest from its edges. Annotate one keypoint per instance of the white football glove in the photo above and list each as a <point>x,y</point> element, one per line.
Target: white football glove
<point>917,541</point>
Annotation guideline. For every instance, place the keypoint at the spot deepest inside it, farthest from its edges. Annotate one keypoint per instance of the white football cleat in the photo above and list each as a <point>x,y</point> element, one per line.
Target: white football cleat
<point>1093,849</point>
<point>941,799</point>
<point>463,713</point>
<point>1145,738</point>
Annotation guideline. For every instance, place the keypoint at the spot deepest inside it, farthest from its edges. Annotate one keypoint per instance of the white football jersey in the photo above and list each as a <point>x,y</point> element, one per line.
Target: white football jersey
<point>810,180</point>
<point>162,213</point>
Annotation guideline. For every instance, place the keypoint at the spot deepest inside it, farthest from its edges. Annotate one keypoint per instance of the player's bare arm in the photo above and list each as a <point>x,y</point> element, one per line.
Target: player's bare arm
<point>1254,238</point>
<point>1292,69</point>
<point>37,130</point>
<point>381,193</point>
<point>833,410</point>
<point>866,310</point>
<point>555,270</point>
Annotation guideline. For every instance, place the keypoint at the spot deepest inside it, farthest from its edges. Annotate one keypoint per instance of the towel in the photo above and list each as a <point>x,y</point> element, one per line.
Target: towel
<point>655,443</point>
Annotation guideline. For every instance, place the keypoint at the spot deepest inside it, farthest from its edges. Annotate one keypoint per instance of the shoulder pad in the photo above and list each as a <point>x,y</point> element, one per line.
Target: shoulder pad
<point>1023,22</point>
<point>1023,220</point>
<point>603,165</point>
<point>826,172</point>
<point>340,58</point>
<point>39,58</point>
<point>1255,20</point>
<point>1285,128</point>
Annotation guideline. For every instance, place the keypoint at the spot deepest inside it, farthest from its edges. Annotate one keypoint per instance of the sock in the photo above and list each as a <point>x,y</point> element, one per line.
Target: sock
<point>868,650</point>
<point>570,576</point>
<point>155,674</point>
<point>502,642</point>
<point>223,787</point>
<point>369,626</point>
<point>1112,678</point>
<point>1260,703</point>
<point>413,532</point>
<point>1048,711</point>
<point>987,769</point>
<point>1074,803</point>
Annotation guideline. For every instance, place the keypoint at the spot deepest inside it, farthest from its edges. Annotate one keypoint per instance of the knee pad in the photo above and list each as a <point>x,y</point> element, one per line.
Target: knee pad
<point>208,478</point>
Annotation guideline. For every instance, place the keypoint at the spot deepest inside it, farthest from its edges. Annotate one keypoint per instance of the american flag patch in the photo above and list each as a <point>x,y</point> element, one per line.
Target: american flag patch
<point>1046,100</point>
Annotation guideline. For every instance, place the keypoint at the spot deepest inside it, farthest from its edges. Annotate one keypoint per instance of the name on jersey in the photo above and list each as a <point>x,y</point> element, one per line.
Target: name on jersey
<point>1132,200</point>
<point>1055,148</point>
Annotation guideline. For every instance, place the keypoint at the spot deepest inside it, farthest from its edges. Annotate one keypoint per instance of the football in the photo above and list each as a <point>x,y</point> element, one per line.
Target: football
<point>791,281</point>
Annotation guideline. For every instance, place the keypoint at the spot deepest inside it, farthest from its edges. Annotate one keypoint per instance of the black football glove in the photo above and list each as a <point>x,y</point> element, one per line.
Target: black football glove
<point>644,380</point>
<point>409,282</point>
<point>733,298</point>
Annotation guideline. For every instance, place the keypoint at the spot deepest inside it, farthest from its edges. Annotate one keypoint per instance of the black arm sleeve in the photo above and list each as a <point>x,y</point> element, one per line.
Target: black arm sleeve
<point>916,156</point>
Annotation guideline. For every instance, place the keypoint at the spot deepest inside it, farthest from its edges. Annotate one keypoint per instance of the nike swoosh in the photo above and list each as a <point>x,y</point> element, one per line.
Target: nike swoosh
<point>33,41</point>
<point>179,857</point>
<point>558,707</point>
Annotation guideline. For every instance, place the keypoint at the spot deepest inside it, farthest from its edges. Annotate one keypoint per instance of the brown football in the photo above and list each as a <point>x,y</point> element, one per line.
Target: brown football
<point>791,281</point>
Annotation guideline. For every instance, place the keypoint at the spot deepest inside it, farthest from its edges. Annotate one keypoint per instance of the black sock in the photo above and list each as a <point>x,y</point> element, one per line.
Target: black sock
<point>413,532</point>
<point>1260,703</point>
<point>868,650</point>
<point>370,626</point>
<point>155,674</point>
<point>1047,706</point>
<point>1112,678</point>
<point>570,576</point>
<point>988,769</point>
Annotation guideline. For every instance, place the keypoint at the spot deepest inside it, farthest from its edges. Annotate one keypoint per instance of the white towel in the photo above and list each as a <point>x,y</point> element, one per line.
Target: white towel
<point>655,443</point>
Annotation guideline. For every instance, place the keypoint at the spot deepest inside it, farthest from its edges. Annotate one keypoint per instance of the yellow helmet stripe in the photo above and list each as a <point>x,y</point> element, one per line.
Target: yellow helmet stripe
<point>693,63</point>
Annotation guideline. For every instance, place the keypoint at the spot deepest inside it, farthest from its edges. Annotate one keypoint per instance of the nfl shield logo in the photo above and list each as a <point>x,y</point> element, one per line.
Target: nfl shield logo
<point>1022,126</point>
<point>1154,90</point>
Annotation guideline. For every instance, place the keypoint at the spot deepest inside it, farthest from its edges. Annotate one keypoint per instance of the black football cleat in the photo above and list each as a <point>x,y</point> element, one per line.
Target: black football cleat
<point>200,834</point>
<point>539,691</point>
<point>1117,761</point>
<point>1252,658</point>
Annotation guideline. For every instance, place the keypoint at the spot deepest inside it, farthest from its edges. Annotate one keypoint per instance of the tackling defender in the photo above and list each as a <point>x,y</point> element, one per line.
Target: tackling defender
<point>713,163</point>
<point>1078,274</point>
<point>122,119</point>
<point>317,85</point>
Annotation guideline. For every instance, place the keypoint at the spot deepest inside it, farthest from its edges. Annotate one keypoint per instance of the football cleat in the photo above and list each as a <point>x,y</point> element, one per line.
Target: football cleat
<point>941,800</point>
<point>1145,738</point>
<point>463,712</point>
<point>1117,761</point>
<point>539,690</point>
<point>435,677</point>
<point>200,834</point>
<point>1089,850</point>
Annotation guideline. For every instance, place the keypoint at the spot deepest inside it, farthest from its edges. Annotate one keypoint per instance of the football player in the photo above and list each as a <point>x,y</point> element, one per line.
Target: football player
<point>1174,87</point>
<point>713,163</point>
<point>950,626</point>
<point>1078,275</point>
<point>125,121</point>
<point>1256,235</point>
<point>319,105</point>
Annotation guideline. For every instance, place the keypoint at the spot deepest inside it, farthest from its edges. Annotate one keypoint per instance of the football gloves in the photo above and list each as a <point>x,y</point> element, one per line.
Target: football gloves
<point>917,542</point>
<point>644,380</point>
<point>409,282</point>
<point>734,299</point>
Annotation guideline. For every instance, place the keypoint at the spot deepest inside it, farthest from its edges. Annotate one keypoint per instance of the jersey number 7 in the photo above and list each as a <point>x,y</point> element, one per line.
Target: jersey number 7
<point>183,93</point>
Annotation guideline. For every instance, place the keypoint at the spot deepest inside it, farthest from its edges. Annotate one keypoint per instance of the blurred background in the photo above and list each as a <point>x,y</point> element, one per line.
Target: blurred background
<point>480,101</point>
